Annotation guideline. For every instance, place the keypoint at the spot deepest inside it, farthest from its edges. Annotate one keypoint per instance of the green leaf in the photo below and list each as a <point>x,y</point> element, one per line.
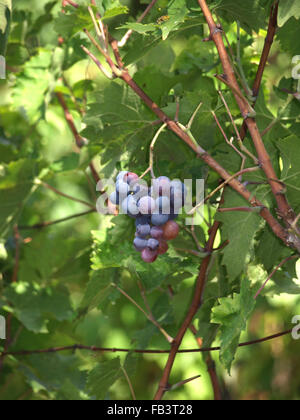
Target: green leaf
<point>240,229</point>
<point>289,148</point>
<point>5,19</point>
<point>232,314</point>
<point>270,249</point>
<point>286,35</point>
<point>140,28</point>
<point>99,288</point>
<point>250,13</point>
<point>103,377</point>
<point>288,9</point>
<point>73,21</point>
<point>177,12</point>
<point>67,163</point>
<point>34,306</point>
<point>117,120</point>
<point>115,11</point>
<point>30,92</point>
<point>16,183</point>
<point>55,372</point>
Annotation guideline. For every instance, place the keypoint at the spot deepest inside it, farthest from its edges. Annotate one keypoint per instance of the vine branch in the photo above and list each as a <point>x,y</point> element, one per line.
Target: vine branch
<point>195,306</point>
<point>55,222</point>
<point>75,347</point>
<point>285,210</point>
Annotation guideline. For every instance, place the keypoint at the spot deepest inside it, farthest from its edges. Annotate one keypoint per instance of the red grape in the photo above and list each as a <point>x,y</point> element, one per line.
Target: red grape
<point>130,177</point>
<point>163,247</point>
<point>171,230</point>
<point>149,256</point>
<point>157,232</point>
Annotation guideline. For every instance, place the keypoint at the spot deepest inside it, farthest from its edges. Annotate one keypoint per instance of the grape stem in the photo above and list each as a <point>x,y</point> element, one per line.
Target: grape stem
<point>274,272</point>
<point>129,383</point>
<point>151,152</point>
<point>240,142</point>
<point>229,142</point>
<point>147,315</point>
<point>220,187</point>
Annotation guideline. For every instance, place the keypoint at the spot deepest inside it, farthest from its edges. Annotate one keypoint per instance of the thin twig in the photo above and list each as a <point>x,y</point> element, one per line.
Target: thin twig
<point>69,2</point>
<point>77,200</point>
<point>140,351</point>
<point>221,186</point>
<point>239,62</point>
<point>55,222</point>
<point>80,141</point>
<point>241,144</point>
<point>128,34</point>
<point>179,384</point>
<point>242,209</point>
<point>264,58</point>
<point>229,142</point>
<point>129,383</point>
<point>195,306</point>
<point>148,316</point>
<point>211,368</point>
<point>152,145</point>
<point>17,255</point>
<point>98,64</point>
<point>274,272</point>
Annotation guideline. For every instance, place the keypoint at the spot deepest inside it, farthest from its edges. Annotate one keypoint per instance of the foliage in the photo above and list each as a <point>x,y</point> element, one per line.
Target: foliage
<point>62,283</point>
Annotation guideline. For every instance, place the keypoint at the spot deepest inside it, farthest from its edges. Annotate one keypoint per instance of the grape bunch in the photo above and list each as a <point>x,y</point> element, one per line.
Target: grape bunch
<point>154,210</point>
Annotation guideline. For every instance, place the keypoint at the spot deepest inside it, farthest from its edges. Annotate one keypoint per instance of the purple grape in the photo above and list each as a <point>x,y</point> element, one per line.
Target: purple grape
<point>146,205</point>
<point>162,205</point>
<point>177,184</point>
<point>139,189</point>
<point>143,220</point>
<point>156,232</point>
<point>129,206</point>
<point>130,177</point>
<point>159,219</point>
<point>153,244</point>
<point>122,188</point>
<point>115,198</point>
<point>140,244</point>
<point>161,186</point>
<point>121,175</point>
<point>148,255</point>
<point>143,230</point>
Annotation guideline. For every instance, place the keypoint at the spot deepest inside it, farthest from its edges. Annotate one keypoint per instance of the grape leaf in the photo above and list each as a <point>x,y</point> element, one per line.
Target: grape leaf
<point>102,377</point>
<point>287,9</point>
<point>177,12</point>
<point>232,314</point>
<point>289,148</point>
<point>16,184</point>
<point>33,306</point>
<point>99,288</point>
<point>5,18</point>
<point>32,85</point>
<point>240,229</point>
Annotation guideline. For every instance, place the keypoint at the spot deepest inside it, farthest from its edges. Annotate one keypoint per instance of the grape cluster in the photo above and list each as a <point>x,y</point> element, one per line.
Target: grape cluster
<point>154,210</point>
